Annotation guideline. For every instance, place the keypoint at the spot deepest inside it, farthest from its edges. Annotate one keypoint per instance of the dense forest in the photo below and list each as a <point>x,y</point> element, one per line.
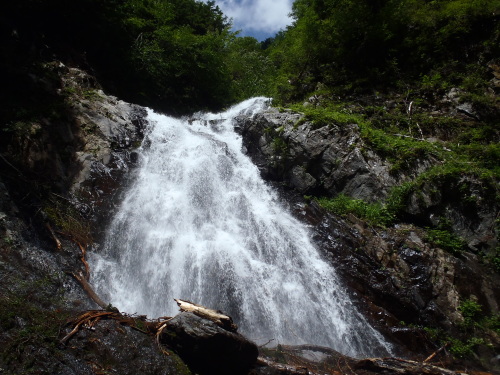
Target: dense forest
<point>181,55</point>
<point>390,66</point>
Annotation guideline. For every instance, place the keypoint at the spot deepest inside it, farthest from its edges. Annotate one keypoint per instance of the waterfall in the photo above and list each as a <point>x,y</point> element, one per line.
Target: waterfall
<point>199,223</point>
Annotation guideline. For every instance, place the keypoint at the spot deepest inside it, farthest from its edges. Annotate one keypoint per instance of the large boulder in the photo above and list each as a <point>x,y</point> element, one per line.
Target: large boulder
<point>208,348</point>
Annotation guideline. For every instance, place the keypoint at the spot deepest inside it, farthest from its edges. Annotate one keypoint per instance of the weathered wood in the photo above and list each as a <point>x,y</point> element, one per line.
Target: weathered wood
<point>215,316</point>
<point>88,289</point>
<point>88,318</point>
<point>436,353</point>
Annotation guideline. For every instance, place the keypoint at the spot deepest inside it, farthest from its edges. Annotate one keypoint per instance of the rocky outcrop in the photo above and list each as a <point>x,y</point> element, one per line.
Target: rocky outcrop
<point>328,160</point>
<point>63,172</point>
<point>400,280</point>
<point>466,203</point>
<point>208,348</point>
<point>81,151</point>
<point>334,159</point>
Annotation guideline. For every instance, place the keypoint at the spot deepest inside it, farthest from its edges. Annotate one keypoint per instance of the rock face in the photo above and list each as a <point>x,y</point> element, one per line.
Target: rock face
<point>122,349</point>
<point>83,152</point>
<point>334,159</point>
<point>398,280</point>
<point>324,161</point>
<point>64,171</point>
<point>208,348</point>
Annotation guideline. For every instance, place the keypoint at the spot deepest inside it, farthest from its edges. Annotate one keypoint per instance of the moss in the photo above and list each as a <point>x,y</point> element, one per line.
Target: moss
<point>29,318</point>
<point>446,240</point>
<point>179,366</point>
<point>62,213</point>
<point>327,115</point>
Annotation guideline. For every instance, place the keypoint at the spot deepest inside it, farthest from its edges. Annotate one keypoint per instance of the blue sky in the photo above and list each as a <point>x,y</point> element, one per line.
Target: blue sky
<point>258,18</point>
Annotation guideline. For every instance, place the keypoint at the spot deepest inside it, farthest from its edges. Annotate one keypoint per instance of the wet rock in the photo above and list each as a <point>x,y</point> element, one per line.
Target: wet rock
<point>464,202</point>
<point>208,348</point>
<point>398,279</point>
<point>324,161</point>
<point>316,360</point>
<point>114,348</point>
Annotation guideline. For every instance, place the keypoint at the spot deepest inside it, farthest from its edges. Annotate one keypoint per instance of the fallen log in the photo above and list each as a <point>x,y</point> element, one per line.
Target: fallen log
<point>215,316</point>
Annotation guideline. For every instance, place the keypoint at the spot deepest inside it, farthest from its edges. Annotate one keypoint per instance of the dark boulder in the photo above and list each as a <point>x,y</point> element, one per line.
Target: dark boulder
<point>208,348</point>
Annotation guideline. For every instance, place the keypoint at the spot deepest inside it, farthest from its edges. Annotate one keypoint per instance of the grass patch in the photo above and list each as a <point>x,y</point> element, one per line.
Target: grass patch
<point>374,213</point>
<point>327,116</point>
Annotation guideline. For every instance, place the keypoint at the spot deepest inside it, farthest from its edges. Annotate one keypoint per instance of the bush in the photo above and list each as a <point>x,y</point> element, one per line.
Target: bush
<point>446,240</point>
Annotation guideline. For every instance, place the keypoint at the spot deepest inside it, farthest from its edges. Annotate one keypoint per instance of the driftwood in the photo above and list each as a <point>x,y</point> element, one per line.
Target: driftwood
<point>215,316</point>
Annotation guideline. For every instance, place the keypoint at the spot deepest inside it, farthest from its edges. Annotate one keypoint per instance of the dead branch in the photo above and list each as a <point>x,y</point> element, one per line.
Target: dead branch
<point>139,323</point>
<point>89,318</point>
<point>84,261</point>
<point>409,136</point>
<point>436,353</point>
<point>261,346</point>
<point>10,165</point>
<point>88,289</point>
<point>217,317</point>
<point>82,249</point>
<point>54,237</point>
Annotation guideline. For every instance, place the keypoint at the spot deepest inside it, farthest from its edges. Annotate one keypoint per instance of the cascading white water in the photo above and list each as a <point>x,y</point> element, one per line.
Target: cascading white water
<point>199,223</point>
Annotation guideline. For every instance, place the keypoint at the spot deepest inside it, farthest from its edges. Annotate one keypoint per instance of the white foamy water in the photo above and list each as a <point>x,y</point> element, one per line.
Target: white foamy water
<point>199,223</point>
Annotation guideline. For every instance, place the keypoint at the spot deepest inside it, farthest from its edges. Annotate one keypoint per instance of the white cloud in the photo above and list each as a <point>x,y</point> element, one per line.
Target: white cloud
<point>267,16</point>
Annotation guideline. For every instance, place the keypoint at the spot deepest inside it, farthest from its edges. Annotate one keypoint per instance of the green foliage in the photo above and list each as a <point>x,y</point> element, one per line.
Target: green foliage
<point>398,197</point>
<point>169,54</point>
<point>379,42</point>
<point>373,213</point>
<point>329,115</point>
<point>464,349</point>
<point>446,240</point>
<point>471,312</point>
<point>402,151</point>
<point>252,72</point>
<point>442,236</point>
<point>279,145</point>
